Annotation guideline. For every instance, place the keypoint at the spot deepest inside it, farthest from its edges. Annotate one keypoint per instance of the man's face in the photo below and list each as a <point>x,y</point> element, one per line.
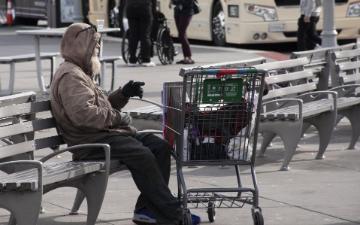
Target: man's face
<point>95,61</point>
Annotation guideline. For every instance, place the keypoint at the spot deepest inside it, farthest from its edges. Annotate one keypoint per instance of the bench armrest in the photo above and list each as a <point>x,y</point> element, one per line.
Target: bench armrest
<point>90,147</point>
<point>284,101</point>
<point>316,94</point>
<point>346,90</point>
<point>29,164</point>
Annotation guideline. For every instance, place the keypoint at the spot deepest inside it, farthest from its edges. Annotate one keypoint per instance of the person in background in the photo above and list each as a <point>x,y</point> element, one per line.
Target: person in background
<point>84,114</point>
<point>183,12</point>
<point>307,37</point>
<point>140,15</point>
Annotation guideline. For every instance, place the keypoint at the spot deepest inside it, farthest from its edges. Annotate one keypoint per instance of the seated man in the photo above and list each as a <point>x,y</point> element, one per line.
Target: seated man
<point>85,115</point>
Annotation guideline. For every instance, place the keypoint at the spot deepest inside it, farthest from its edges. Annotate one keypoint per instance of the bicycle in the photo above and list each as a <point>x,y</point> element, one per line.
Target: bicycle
<point>161,40</point>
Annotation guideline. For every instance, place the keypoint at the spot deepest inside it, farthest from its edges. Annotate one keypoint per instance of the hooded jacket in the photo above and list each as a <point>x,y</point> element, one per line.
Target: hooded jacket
<point>82,111</point>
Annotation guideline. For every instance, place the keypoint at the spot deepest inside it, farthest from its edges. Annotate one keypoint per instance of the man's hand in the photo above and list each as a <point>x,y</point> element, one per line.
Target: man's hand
<point>132,89</point>
<point>125,118</point>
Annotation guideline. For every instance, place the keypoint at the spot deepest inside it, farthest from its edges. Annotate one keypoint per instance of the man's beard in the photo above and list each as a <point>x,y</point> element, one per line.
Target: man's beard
<point>95,65</point>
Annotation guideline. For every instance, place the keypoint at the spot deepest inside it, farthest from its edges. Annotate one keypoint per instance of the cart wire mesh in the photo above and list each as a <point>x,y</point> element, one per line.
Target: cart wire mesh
<point>211,118</point>
<point>212,115</point>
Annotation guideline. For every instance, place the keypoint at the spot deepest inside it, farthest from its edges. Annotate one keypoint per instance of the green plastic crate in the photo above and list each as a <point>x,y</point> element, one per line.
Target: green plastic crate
<point>222,90</point>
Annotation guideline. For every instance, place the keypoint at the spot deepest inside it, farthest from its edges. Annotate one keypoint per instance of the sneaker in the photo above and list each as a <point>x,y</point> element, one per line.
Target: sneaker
<point>195,219</point>
<point>143,216</point>
<point>148,64</point>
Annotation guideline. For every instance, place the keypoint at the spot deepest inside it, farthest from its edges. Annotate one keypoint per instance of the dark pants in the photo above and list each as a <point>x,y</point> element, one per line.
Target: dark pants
<point>182,22</point>
<point>140,23</point>
<point>307,37</point>
<point>148,159</point>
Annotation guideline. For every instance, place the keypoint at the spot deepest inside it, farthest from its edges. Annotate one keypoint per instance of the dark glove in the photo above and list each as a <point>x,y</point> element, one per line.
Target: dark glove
<point>125,119</point>
<point>132,89</point>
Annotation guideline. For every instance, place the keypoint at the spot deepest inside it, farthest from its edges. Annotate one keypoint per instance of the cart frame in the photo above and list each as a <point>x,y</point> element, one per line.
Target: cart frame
<point>212,198</point>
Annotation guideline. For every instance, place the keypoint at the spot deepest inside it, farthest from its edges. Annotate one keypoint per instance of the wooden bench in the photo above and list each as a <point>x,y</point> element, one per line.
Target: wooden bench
<point>345,73</point>
<point>27,126</point>
<point>11,60</point>
<point>319,62</point>
<point>293,101</point>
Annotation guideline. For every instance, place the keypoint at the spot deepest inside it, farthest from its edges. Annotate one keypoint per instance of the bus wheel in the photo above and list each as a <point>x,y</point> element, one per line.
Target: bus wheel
<point>218,25</point>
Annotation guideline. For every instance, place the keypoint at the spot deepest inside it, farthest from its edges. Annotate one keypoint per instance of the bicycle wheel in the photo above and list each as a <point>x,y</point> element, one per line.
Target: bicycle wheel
<point>125,47</point>
<point>165,46</point>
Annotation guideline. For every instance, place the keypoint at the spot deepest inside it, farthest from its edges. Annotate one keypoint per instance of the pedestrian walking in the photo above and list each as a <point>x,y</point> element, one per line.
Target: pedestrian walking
<point>307,37</point>
<point>183,12</point>
<point>140,15</point>
<point>84,114</point>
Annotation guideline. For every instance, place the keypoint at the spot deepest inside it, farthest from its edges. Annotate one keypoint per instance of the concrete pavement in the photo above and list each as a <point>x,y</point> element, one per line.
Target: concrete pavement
<point>313,192</point>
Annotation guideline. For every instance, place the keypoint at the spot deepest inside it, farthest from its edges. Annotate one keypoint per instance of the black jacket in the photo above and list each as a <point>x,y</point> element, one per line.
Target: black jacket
<point>183,7</point>
<point>142,7</point>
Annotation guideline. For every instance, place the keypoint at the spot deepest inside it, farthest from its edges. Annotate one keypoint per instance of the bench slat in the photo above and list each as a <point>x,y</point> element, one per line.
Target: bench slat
<point>285,91</point>
<point>344,102</point>
<point>348,65</point>
<point>288,77</point>
<point>17,98</point>
<point>283,64</point>
<point>21,128</point>
<point>309,109</point>
<point>25,108</point>
<point>350,78</point>
<point>52,173</point>
<point>71,170</point>
<point>15,149</point>
<point>347,53</point>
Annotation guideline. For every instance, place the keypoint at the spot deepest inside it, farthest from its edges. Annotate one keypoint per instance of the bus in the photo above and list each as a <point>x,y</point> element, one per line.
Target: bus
<point>259,21</point>
<point>220,21</point>
<point>60,13</point>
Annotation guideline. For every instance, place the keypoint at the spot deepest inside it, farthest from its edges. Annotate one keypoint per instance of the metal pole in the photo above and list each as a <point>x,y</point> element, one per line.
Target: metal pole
<point>51,13</point>
<point>329,33</point>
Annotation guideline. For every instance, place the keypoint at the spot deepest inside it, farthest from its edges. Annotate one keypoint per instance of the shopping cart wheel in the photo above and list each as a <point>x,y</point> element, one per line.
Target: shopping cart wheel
<point>211,212</point>
<point>258,217</point>
<point>187,217</point>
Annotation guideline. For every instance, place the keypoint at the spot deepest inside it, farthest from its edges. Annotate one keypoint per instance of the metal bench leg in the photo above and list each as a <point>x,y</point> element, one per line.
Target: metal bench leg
<point>305,127</point>
<point>325,125</point>
<point>79,198</point>
<point>52,68</point>
<point>112,75</point>
<point>353,115</point>
<point>26,213</point>
<point>93,187</point>
<point>267,138</point>
<point>290,134</point>
<point>12,78</point>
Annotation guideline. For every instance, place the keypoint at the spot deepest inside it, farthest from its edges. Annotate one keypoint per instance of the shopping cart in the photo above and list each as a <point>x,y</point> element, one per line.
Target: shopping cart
<point>212,119</point>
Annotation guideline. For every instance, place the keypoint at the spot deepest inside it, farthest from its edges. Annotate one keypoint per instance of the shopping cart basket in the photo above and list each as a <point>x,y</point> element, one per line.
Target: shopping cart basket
<point>212,119</point>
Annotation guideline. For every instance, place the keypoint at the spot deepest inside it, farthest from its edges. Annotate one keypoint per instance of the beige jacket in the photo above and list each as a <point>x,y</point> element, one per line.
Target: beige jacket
<point>83,113</point>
